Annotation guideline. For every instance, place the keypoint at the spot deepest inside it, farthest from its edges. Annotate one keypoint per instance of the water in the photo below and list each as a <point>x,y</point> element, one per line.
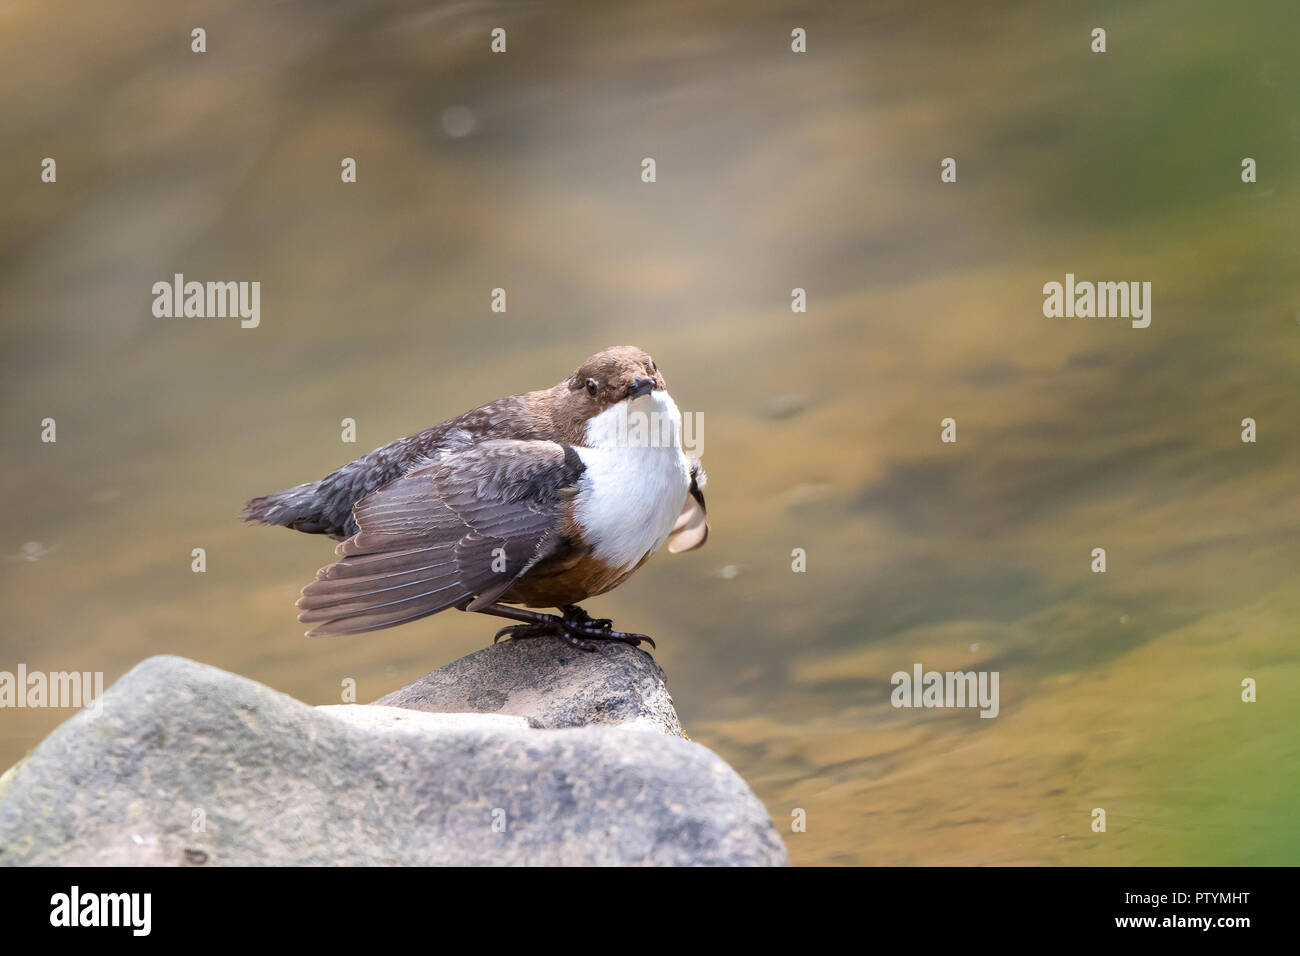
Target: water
<point>1118,690</point>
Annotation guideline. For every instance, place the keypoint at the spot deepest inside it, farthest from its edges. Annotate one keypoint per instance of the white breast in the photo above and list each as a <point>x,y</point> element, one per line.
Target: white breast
<point>636,479</point>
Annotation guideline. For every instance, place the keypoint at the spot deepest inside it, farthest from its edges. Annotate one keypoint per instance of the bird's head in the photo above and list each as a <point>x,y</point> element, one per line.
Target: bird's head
<point>623,373</point>
<point>619,374</point>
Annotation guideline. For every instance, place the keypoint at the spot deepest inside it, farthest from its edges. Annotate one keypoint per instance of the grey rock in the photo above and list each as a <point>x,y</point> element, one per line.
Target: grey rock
<point>190,765</point>
<point>550,683</point>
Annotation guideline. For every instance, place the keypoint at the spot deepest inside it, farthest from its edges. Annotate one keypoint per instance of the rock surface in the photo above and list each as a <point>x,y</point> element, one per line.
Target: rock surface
<point>189,764</point>
<point>550,683</point>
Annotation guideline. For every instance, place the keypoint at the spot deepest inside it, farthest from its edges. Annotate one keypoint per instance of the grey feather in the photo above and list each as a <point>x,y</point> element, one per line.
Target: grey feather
<point>456,532</point>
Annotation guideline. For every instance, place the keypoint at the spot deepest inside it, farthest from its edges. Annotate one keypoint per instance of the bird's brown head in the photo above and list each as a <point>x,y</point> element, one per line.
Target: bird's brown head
<point>610,376</point>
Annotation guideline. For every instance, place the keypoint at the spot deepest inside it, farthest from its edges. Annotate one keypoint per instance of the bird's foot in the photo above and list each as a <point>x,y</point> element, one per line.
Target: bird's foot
<point>577,615</point>
<point>575,627</point>
<point>599,628</point>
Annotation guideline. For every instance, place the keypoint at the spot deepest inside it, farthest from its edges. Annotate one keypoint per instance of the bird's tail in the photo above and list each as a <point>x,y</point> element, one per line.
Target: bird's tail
<point>298,507</point>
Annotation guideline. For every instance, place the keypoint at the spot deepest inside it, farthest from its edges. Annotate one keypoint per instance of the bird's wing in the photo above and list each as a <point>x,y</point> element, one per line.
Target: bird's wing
<point>455,533</point>
<point>325,506</point>
<point>692,527</point>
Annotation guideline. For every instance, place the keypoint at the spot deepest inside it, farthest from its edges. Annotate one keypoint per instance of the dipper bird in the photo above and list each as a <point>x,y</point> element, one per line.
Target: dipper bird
<point>542,499</point>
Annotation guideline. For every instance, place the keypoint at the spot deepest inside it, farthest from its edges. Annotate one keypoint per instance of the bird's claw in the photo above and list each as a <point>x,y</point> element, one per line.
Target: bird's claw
<point>518,630</point>
<point>577,628</point>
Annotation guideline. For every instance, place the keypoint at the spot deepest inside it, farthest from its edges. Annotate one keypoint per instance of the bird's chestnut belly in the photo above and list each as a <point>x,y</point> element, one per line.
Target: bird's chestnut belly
<point>567,579</point>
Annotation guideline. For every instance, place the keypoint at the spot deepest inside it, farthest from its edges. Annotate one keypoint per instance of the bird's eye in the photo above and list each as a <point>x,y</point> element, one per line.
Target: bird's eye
<point>591,387</point>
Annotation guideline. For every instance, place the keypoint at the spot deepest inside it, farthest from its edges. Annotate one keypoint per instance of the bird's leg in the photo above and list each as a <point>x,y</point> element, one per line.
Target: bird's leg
<point>575,627</point>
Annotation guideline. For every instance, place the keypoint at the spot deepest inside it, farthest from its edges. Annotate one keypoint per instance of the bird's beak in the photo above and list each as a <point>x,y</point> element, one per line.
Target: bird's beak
<point>641,386</point>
